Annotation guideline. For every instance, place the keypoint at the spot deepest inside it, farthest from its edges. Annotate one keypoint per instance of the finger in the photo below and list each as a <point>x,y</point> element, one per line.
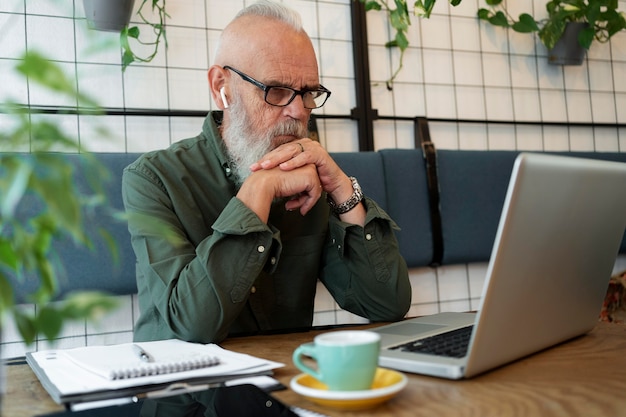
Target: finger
<point>288,152</point>
<point>305,200</point>
<point>281,154</point>
<point>295,203</point>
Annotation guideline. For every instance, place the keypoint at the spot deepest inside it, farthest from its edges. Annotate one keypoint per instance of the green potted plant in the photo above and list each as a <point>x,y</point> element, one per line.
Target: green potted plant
<point>40,202</point>
<point>400,19</point>
<point>114,15</point>
<point>43,178</point>
<point>582,20</point>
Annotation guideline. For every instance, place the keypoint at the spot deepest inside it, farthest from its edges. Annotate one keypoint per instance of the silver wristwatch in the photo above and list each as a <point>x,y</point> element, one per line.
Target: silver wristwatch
<point>350,203</point>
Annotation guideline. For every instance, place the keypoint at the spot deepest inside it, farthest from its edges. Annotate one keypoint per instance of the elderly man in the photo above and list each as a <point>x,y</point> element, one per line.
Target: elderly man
<point>258,211</point>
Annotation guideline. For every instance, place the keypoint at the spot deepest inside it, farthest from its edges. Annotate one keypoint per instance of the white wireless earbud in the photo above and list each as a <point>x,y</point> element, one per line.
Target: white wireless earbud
<point>223,98</point>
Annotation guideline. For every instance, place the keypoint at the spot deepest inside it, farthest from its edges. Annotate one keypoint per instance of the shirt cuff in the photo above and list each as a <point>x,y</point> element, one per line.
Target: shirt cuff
<point>237,219</point>
<point>374,212</point>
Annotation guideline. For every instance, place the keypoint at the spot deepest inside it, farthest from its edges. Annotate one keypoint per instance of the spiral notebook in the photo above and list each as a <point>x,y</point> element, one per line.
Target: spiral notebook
<point>134,360</point>
<point>95,373</point>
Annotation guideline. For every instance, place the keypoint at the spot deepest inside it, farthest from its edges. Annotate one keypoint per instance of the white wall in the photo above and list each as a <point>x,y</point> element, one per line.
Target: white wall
<point>456,68</point>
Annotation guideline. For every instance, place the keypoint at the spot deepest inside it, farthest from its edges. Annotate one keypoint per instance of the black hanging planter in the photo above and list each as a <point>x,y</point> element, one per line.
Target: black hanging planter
<point>108,15</point>
<point>567,50</point>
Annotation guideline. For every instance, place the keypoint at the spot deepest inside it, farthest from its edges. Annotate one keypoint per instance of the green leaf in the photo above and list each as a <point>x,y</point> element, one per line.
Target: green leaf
<point>371,5</point>
<point>45,135</point>
<point>87,304</point>
<point>6,294</point>
<point>551,32</point>
<point>133,32</point>
<point>43,71</point>
<point>401,41</point>
<point>499,19</point>
<point>593,12</point>
<point>26,326</point>
<point>47,282</point>
<point>493,2</point>
<point>17,178</point>
<point>429,4</point>
<point>427,7</point>
<point>49,322</point>
<point>127,58</point>
<point>8,256</point>
<point>615,23</point>
<point>423,9</point>
<point>585,37</point>
<point>483,14</point>
<point>526,24</point>
<point>398,20</point>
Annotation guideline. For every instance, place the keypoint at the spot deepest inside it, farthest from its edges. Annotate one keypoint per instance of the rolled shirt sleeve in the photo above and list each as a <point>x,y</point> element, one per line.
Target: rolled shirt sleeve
<point>363,268</point>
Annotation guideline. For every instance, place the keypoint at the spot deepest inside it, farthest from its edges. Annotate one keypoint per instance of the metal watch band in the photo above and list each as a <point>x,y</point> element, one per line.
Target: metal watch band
<point>350,203</point>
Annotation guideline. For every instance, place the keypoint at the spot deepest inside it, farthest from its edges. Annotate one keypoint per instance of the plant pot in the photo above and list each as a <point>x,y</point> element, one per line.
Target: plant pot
<point>567,51</point>
<point>108,15</point>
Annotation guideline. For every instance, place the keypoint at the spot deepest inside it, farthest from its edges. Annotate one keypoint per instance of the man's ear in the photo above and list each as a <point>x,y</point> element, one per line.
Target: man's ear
<point>217,85</point>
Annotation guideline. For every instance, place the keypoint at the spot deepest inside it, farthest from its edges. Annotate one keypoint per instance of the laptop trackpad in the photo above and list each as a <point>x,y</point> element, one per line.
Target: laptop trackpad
<point>409,329</point>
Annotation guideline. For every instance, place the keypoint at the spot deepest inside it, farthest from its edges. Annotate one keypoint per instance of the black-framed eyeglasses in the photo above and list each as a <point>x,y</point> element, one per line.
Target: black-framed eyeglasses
<point>281,96</point>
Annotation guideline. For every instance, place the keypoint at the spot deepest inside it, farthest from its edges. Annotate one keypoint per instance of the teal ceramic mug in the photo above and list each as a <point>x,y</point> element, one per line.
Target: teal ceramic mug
<point>346,359</point>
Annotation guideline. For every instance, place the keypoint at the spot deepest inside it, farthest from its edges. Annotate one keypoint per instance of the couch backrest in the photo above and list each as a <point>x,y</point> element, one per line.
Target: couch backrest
<point>471,188</point>
<point>100,267</point>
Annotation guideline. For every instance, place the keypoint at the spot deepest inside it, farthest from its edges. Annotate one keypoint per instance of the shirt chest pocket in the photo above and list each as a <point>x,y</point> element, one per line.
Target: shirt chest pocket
<point>297,271</point>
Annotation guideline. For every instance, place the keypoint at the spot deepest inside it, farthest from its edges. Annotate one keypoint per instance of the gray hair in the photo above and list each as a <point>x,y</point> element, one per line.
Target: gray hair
<point>273,10</point>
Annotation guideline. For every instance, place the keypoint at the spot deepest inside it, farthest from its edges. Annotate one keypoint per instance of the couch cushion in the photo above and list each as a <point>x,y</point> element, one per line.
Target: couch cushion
<point>367,167</point>
<point>407,203</point>
<point>473,186</point>
<point>98,268</point>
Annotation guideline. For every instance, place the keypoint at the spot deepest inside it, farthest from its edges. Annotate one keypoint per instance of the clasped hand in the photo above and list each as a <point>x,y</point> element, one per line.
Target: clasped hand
<point>300,170</point>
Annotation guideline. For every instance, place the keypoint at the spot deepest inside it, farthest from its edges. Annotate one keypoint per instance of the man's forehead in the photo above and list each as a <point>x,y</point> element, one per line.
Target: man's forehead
<point>283,63</point>
<point>292,74</point>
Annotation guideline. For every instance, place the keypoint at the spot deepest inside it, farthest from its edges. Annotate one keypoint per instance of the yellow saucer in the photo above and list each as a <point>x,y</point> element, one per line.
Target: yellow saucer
<point>387,383</point>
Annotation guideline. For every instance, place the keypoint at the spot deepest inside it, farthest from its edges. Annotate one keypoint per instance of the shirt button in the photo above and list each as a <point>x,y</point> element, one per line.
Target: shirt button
<point>368,236</point>
<point>253,289</point>
<point>273,260</point>
<point>261,249</point>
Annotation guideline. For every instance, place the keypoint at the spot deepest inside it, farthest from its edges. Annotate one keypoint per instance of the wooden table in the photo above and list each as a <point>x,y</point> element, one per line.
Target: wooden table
<point>584,377</point>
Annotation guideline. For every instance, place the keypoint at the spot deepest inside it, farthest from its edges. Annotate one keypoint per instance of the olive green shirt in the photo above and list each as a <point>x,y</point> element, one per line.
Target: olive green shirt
<point>228,272</point>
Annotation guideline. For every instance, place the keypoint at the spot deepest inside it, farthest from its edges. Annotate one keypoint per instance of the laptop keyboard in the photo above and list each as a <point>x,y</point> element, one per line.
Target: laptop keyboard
<point>452,344</point>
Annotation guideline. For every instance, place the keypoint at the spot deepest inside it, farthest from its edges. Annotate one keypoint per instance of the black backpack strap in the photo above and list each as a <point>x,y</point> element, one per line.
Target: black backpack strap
<point>422,139</point>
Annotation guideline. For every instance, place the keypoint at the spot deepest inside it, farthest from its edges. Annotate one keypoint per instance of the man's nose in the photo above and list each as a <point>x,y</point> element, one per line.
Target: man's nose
<point>296,109</point>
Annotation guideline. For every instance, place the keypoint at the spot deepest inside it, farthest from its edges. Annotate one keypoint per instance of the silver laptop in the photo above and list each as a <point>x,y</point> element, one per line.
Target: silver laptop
<point>560,230</point>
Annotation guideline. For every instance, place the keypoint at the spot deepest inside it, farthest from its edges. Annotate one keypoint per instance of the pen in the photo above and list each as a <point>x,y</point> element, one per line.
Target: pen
<point>143,355</point>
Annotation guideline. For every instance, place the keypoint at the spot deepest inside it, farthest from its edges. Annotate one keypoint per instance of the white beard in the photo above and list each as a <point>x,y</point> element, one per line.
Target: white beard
<point>246,144</point>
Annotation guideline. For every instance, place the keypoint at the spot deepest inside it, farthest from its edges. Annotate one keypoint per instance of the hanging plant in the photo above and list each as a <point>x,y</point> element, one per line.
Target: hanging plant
<point>602,19</point>
<point>158,28</point>
<point>400,20</point>
<point>114,16</point>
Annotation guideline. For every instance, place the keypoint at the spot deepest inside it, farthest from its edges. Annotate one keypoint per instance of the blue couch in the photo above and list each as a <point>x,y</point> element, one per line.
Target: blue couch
<point>448,209</point>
